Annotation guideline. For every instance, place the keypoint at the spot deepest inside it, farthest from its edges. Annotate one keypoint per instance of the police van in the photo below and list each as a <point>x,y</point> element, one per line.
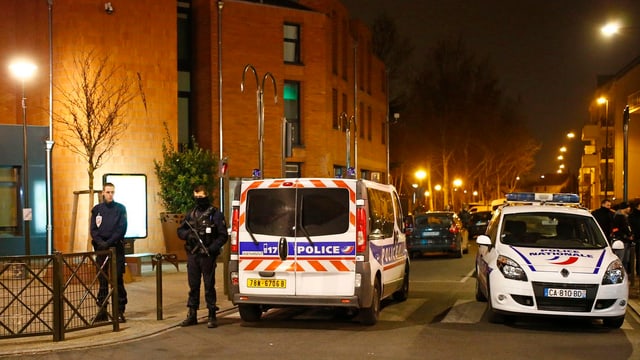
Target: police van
<point>316,242</point>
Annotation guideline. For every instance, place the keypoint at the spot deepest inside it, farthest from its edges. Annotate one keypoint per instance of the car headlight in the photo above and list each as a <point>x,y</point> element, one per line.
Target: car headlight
<point>510,269</point>
<point>614,273</point>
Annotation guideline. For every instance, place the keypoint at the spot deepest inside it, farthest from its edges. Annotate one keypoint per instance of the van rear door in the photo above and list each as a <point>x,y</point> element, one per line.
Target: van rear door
<point>297,237</point>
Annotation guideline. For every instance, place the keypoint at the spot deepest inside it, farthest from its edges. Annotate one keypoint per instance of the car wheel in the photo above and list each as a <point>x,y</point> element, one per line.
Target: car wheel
<point>403,293</point>
<point>613,322</point>
<point>370,314</point>
<point>250,312</point>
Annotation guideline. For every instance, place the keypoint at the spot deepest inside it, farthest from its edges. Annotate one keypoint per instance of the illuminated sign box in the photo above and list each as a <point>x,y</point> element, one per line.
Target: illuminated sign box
<point>131,191</point>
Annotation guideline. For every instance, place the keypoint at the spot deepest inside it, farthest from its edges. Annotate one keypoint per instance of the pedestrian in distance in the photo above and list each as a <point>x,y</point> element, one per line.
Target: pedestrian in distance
<point>622,231</point>
<point>204,230</point>
<point>604,216</point>
<point>108,227</point>
<point>634,222</point>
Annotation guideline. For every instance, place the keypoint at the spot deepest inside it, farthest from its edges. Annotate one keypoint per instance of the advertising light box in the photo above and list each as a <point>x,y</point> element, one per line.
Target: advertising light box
<point>131,191</point>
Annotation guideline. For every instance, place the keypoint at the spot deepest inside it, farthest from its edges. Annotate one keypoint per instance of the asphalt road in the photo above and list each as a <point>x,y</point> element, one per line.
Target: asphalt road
<point>440,320</point>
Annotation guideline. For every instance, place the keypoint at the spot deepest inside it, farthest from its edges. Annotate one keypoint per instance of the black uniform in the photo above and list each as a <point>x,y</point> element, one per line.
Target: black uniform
<point>604,217</point>
<point>108,226</point>
<point>211,227</point>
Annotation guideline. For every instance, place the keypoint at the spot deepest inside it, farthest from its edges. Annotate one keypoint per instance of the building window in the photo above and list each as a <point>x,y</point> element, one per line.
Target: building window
<point>10,199</point>
<point>345,48</point>
<point>292,170</point>
<point>184,72</point>
<point>369,124</point>
<point>291,98</point>
<point>338,171</point>
<point>334,42</point>
<point>292,43</point>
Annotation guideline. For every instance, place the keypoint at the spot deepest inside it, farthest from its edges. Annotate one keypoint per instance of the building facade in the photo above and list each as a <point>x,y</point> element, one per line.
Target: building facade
<point>311,64</point>
<point>603,162</point>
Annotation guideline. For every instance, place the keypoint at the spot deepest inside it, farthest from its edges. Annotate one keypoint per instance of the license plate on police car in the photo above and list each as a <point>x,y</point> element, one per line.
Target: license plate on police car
<point>267,283</point>
<point>565,293</point>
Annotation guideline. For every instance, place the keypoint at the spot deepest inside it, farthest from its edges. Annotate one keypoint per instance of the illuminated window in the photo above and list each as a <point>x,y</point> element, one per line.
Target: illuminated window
<point>292,43</point>
<point>10,201</point>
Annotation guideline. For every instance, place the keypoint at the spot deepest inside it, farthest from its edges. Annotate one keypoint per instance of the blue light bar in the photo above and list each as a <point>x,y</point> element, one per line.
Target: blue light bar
<point>565,198</point>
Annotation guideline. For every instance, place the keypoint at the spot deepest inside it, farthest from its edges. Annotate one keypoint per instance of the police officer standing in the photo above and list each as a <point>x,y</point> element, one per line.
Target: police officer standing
<point>108,227</point>
<point>204,230</point>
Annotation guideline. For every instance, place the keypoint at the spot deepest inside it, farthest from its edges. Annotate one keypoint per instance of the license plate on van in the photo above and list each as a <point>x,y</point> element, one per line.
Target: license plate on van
<point>565,293</point>
<point>267,283</point>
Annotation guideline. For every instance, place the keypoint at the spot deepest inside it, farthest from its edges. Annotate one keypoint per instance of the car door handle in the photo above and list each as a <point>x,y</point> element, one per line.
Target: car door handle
<point>283,249</point>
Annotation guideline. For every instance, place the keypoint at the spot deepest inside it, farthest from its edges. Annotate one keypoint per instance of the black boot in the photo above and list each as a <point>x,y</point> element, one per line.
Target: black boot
<point>192,318</point>
<point>101,316</point>
<point>212,322</point>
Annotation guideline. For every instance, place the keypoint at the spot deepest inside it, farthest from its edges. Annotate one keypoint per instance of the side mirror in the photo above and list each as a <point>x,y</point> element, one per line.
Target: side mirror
<point>483,240</point>
<point>617,245</point>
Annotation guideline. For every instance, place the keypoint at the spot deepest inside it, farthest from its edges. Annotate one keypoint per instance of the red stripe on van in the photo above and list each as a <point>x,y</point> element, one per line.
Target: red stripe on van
<point>253,264</point>
<point>276,183</point>
<point>339,265</point>
<point>316,265</point>
<point>273,265</point>
<point>318,183</point>
<point>253,185</point>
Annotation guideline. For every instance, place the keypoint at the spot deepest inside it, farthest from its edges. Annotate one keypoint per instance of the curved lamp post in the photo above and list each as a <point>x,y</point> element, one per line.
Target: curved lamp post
<point>23,70</point>
<point>260,104</point>
<point>343,118</point>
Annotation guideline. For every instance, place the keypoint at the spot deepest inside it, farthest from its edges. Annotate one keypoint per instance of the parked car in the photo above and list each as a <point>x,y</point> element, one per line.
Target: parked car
<point>478,223</point>
<point>545,255</point>
<point>408,224</point>
<point>437,232</point>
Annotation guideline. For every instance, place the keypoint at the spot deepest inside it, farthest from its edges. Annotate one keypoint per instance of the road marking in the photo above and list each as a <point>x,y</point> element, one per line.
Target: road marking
<point>465,312</point>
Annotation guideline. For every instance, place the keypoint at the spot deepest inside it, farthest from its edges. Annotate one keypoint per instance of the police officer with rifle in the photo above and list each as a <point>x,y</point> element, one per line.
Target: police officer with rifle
<point>204,230</point>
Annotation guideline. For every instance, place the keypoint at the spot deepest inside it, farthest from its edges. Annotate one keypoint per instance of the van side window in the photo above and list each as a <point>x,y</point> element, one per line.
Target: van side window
<point>381,213</point>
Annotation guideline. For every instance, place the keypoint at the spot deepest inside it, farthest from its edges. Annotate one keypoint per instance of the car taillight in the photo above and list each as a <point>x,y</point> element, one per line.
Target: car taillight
<point>361,230</point>
<point>235,224</point>
<point>454,229</point>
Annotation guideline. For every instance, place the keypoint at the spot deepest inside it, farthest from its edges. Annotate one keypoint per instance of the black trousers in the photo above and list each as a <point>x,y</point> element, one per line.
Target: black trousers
<point>201,267</point>
<point>103,292</point>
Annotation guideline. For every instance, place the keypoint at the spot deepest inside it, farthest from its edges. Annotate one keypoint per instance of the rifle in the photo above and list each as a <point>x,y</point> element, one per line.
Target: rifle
<point>200,243</point>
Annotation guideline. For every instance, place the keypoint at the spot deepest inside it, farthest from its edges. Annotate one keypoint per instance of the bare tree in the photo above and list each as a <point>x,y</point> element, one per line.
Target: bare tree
<point>93,104</point>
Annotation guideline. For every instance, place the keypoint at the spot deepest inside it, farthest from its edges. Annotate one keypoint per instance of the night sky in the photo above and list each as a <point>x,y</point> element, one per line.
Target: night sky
<point>547,52</point>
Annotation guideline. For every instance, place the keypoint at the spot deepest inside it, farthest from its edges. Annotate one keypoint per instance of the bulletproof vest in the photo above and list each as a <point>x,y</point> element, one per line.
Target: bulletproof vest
<point>204,225</point>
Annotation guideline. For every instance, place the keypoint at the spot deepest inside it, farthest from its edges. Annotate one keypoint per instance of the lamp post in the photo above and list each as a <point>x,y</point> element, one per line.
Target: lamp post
<point>605,101</point>
<point>625,160</point>
<point>260,105</point>
<point>457,183</point>
<point>24,70</point>
<point>396,116</point>
<point>420,175</point>
<point>348,120</point>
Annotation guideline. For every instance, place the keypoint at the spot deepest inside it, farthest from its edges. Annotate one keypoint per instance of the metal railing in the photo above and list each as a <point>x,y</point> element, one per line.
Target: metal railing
<point>55,294</point>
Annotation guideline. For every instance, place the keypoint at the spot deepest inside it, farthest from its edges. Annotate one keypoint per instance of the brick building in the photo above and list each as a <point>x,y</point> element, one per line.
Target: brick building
<point>182,53</point>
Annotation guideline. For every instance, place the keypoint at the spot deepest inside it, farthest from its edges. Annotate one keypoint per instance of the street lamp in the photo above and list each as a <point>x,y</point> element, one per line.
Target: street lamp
<point>625,158</point>
<point>602,100</point>
<point>396,117</point>
<point>24,70</point>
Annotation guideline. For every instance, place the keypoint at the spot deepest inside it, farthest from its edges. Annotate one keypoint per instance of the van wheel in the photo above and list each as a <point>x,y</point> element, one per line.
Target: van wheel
<point>403,293</point>
<point>370,314</point>
<point>250,313</point>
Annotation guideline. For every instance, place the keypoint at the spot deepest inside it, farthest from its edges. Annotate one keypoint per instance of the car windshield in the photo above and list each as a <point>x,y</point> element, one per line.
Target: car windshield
<point>434,221</point>
<point>551,230</point>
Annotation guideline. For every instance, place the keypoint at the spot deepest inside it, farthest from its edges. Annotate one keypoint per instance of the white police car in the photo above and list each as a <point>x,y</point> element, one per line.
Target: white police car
<point>544,255</point>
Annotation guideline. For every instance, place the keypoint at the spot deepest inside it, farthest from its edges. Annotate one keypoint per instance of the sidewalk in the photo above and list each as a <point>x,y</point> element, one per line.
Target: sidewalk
<point>141,314</point>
